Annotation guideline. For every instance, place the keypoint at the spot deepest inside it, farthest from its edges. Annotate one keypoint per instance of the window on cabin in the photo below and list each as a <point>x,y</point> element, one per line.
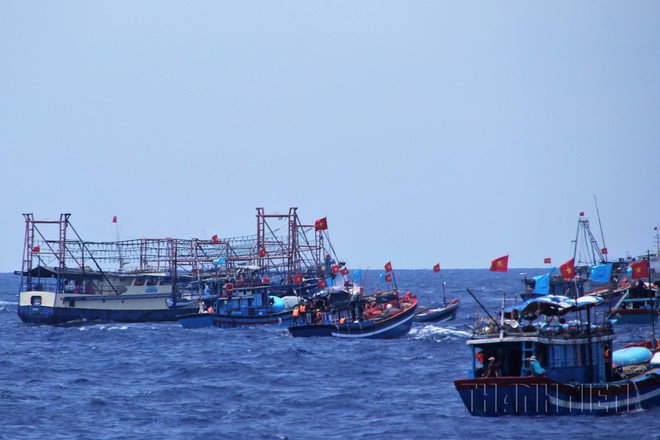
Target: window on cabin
<point>152,281</point>
<point>139,282</point>
<point>35,301</point>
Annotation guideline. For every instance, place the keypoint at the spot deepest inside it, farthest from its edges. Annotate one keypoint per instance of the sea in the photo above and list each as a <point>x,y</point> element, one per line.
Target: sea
<point>161,381</point>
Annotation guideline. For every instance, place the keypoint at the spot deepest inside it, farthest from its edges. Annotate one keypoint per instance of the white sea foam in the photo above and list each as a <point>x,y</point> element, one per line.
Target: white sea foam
<point>434,331</point>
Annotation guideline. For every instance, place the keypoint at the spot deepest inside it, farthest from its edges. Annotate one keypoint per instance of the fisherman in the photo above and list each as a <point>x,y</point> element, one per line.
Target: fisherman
<point>535,366</point>
<point>493,368</point>
<point>296,312</point>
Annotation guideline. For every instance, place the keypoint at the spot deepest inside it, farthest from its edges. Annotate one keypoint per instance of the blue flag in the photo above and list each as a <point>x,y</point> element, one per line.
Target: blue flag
<point>601,273</point>
<point>357,275</point>
<point>553,271</point>
<point>382,277</point>
<point>219,261</point>
<point>542,284</point>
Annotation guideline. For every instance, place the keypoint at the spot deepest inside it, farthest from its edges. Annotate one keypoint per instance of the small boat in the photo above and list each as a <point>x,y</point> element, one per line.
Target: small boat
<point>438,312</point>
<point>556,367</point>
<point>344,313</point>
<point>640,305</point>
<point>241,307</point>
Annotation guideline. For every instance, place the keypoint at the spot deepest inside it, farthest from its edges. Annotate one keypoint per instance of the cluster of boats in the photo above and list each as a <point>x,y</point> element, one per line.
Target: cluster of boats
<point>552,354</point>
<point>223,283</point>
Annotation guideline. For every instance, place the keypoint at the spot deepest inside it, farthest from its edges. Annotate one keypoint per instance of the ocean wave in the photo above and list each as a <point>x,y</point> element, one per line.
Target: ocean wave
<point>434,332</point>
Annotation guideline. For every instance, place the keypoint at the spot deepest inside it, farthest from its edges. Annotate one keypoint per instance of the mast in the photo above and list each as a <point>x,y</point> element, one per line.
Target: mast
<point>653,300</point>
<point>602,236</point>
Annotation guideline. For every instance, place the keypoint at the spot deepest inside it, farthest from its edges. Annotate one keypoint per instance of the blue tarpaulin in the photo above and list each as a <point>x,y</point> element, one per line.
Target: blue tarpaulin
<point>601,273</point>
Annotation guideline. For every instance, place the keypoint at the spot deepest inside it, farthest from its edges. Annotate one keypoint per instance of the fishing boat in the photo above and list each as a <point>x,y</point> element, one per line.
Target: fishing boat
<point>561,364</point>
<point>640,305</point>
<point>343,312</point>
<point>438,312</point>
<point>56,296</point>
<point>62,279</point>
<point>591,272</point>
<point>241,306</point>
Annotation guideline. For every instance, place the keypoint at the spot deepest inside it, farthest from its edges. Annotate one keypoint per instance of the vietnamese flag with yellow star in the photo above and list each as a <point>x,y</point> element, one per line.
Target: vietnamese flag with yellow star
<point>567,269</point>
<point>321,224</point>
<point>640,269</point>
<point>499,264</point>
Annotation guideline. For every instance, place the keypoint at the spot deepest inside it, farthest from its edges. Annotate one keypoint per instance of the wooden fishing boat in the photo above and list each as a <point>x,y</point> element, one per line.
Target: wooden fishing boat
<point>640,305</point>
<point>555,367</point>
<point>438,312</point>
<point>345,313</point>
<point>241,306</point>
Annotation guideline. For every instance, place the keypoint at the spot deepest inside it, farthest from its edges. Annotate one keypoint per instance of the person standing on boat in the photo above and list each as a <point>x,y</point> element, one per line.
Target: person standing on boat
<point>535,367</point>
<point>493,368</point>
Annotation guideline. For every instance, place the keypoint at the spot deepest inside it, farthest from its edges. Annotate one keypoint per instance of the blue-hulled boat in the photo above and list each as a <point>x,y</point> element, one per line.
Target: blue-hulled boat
<point>640,305</point>
<point>438,312</point>
<point>344,313</point>
<point>555,367</point>
<point>241,307</point>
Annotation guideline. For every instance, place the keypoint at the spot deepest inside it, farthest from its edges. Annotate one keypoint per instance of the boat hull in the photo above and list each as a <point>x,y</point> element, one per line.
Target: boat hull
<point>390,328</point>
<point>636,316</point>
<point>37,307</point>
<point>438,314</point>
<point>533,396</point>
<point>195,320</point>
<point>234,320</point>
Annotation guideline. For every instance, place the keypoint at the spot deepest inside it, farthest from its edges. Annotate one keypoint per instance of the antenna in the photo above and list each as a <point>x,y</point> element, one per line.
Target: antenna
<point>601,230</point>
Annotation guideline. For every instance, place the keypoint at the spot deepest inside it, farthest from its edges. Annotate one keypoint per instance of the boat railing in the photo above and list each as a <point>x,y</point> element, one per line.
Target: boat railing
<point>41,286</point>
<point>576,330</point>
<point>547,330</point>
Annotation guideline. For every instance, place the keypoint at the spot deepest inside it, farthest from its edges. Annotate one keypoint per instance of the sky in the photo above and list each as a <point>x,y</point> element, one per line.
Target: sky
<point>426,132</point>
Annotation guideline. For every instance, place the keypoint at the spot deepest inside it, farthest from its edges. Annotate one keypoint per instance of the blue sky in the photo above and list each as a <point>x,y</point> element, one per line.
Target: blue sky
<point>427,131</point>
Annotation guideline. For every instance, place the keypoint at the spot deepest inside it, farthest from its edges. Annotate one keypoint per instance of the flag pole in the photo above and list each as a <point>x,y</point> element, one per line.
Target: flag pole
<point>506,276</point>
<point>444,294</point>
<point>121,260</point>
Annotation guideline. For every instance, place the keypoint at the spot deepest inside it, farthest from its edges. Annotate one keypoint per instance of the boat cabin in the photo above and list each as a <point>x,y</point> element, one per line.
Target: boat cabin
<point>249,301</point>
<point>562,347</point>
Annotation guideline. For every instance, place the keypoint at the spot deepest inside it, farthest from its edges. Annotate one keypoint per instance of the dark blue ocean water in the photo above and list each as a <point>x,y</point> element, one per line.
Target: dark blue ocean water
<point>158,380</point>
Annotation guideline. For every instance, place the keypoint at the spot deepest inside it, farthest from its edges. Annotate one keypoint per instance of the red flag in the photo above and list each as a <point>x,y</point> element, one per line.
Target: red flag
<point>388,267</point>
<point>567,269</point>
<point>499,264</point>
<point>547,260</point>
<point>640,269</point>
<point>196,271</point>
<point>114,219</point>
<point>321,224</point>
<point>335,268</point>
<point>436,268</point>
<point>344,271</point>
<point>36,249</point>
<point>581,213</point>
<point>388,277</point>
<point>262,252</point>
<point>215,240</point>
<point>265,280</point>
<point>322,284</point>
<point>603,251</point>
<point>297,279</point>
